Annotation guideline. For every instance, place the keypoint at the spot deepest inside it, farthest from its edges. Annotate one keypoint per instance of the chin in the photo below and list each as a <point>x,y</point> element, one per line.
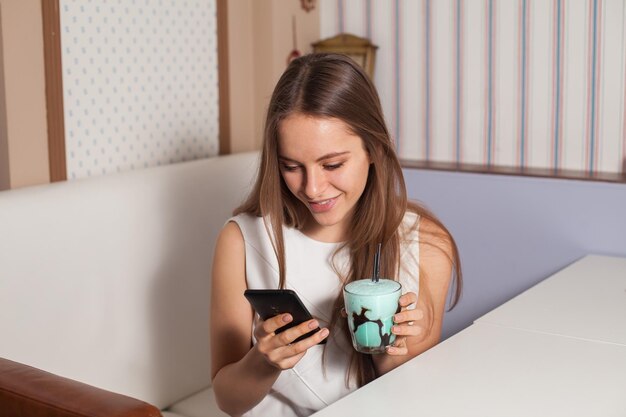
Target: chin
<point>327,220</point>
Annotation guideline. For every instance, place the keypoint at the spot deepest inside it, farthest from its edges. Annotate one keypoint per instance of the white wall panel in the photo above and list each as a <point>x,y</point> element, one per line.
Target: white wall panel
<point>474,75</point>
<point>355,22</point>
<point>413,81</point>
<point>507,83</point>
<point>328,18</point>
<point>442,80</point>
<point>140,83</point>
<point>383,25</point>
<point>575,87</point>
<point>540,83</point>
<point>611,71</point>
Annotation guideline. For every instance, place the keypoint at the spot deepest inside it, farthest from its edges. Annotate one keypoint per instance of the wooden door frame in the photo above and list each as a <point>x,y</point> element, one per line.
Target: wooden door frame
<point>54,89</point>
<point>223,78</point>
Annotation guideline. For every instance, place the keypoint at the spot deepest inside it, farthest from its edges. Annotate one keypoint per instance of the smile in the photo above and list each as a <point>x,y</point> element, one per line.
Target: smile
<point>322,205</point>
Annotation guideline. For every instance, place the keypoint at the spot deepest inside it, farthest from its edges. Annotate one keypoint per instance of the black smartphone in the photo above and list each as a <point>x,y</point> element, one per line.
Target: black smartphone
<point>270,303</point>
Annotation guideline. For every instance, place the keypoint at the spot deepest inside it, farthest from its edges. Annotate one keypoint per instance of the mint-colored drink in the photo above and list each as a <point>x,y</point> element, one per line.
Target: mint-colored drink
<point>370,306</point>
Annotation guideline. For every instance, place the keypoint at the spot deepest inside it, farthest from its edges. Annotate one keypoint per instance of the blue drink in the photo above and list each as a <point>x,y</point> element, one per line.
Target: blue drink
<point>370,307</point>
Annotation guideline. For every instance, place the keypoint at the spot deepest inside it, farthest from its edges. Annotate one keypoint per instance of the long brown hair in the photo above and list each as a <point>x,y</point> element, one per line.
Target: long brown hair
<point>334,86</point>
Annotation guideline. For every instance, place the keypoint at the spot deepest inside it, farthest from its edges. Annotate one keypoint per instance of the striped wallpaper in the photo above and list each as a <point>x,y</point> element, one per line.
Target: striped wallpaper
<point>513,83</point>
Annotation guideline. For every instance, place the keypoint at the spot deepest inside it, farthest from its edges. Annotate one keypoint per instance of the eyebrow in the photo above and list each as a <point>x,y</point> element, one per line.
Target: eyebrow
<point>322,158</point>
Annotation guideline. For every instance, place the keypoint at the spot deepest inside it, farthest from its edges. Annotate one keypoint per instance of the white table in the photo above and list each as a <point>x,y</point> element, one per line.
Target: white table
<point>586,300</point>
<point>516,363</point>
<point>495,371</point>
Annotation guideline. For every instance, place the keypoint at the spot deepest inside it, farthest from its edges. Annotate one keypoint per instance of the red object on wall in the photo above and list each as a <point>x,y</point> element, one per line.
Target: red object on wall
<point>307,5</point>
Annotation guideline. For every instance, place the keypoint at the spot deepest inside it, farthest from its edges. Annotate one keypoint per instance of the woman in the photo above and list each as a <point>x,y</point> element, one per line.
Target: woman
<point>329,189</point>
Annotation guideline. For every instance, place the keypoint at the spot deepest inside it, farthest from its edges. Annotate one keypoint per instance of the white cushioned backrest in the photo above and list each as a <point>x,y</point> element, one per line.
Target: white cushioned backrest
<point>106,280</point>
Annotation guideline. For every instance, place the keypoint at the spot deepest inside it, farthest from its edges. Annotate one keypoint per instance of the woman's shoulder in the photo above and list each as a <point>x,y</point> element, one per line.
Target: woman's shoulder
<point>244,219</point>
<point>229,248</point>
<point>425,229</point>
<point>409,228</point>
<point>435,240</point>
<point>249,224</point>
<point>423,223</point>
<point>252,228</point>
<point>231,235</point>
<point>411,219</point>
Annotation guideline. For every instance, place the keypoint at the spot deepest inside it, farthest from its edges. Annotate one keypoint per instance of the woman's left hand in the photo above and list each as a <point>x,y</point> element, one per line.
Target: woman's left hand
<point>407,323</point>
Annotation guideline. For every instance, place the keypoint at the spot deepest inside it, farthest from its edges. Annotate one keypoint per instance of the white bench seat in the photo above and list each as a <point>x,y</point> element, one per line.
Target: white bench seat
<point>106,280</point>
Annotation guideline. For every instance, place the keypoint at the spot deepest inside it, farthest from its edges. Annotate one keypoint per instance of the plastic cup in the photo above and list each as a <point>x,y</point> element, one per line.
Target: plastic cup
<point>370,306</point>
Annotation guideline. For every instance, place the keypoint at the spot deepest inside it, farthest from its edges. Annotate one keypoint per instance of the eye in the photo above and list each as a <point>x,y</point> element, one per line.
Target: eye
<point>289,168</point>
<point>332,167</point>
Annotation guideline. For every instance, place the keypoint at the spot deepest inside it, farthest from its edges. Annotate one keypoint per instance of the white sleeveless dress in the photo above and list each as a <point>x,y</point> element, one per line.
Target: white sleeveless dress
<point>309,387</point>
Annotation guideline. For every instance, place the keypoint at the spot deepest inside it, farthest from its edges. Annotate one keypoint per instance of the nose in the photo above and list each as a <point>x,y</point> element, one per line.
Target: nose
<point>314,183</point>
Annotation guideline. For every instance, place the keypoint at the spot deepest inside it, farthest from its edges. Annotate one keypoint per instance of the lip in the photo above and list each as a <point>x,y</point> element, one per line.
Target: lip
<point>321,206</point>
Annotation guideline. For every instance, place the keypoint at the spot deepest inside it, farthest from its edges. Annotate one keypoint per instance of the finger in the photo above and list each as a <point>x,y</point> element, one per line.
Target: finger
<point>406,330</point>
<point>408,316</point>
<point>397,350</point>
<point>302,346</point>
<point>288,336</point>
<point>279,359</point>
<point>272,324</point>
<point>407,299</point>
<point>286,357</point>
<point>343,312</point>
<point>399,347</point>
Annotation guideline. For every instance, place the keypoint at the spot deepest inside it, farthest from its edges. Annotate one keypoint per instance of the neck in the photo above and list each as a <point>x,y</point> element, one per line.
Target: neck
<point>327,234</point>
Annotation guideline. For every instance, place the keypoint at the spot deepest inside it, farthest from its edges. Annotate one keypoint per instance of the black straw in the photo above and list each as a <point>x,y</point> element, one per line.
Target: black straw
<point>376,263</point>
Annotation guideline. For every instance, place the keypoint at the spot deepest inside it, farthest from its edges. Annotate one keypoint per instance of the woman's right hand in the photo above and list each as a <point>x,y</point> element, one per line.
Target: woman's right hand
<point>278,349</point>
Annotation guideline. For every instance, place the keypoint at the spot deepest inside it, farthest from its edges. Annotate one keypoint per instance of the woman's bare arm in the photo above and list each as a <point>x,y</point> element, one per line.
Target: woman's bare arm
<point>427,317</point>
<point>244,374</point>
<point>241,377</point>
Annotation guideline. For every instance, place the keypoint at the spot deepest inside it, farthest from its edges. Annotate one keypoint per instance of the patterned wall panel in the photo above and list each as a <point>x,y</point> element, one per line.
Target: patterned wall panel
<point>140,83</point>
<point>514,83</point>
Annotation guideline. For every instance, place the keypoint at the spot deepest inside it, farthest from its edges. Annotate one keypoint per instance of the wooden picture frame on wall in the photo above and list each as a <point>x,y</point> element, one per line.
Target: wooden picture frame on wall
<point>54,85</point>
<point>361,50</point>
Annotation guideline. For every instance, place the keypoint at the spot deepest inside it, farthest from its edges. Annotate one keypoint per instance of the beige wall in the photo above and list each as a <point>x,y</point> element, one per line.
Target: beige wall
<point>5,178</point>
<point>260,39</point>
<point>241,75</point>
<point>25,136</point>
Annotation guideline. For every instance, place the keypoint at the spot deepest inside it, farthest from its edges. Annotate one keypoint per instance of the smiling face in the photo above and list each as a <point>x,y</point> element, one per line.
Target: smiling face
<point>325,166</point>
